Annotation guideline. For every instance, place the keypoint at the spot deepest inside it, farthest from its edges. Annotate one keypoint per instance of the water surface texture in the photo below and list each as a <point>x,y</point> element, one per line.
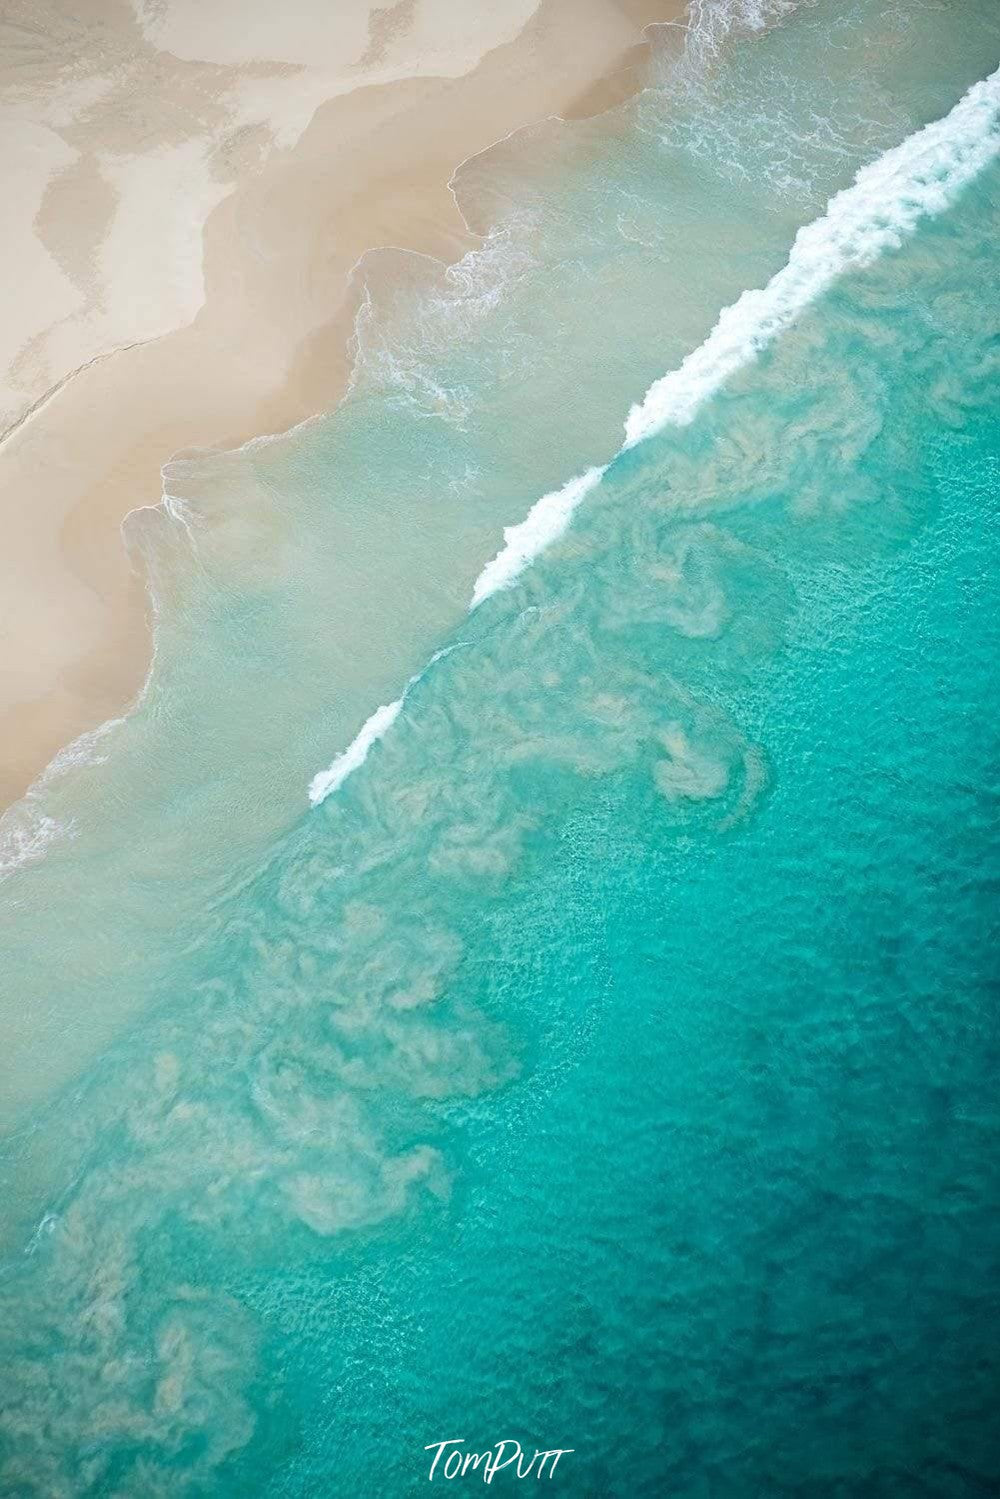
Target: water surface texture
<point>572,1018</point>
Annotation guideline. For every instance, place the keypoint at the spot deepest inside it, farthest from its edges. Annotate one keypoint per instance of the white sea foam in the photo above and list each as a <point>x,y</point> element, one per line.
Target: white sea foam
<point>25,835</point>
<point>374,728</point>
<point>885,203</point>
<point>356,753</point>
<point>710,23</point>
<point>544,523</point>
<point>26,830</point>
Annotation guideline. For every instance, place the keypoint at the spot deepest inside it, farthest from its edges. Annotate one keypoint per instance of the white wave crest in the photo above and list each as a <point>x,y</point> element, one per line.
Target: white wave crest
<point>544,523</point>
<point>374,728</point>
<point>356,753</point>
<point>886,201</point>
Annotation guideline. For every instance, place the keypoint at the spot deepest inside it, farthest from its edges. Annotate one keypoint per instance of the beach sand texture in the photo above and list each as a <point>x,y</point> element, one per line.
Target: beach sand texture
<point>188,187</point>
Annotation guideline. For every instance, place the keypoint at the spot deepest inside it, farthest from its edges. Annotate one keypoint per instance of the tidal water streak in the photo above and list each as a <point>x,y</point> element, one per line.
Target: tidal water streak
<point>607,1057</point>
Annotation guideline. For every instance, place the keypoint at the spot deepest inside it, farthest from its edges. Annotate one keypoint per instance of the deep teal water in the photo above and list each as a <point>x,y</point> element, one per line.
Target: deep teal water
<point>611,1063</point>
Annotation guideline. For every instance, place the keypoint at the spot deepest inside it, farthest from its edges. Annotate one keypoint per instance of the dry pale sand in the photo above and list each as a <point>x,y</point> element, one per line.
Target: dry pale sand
<point>188,184</point>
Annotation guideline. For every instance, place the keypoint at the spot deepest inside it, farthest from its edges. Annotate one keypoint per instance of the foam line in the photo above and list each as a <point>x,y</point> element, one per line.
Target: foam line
<point>374,728</point>
<point>356,753</point>
<point>544,523</point>
<point>887,199</point>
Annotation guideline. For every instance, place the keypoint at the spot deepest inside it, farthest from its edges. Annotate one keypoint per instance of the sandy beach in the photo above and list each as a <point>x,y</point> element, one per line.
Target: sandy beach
<point>190,188</point>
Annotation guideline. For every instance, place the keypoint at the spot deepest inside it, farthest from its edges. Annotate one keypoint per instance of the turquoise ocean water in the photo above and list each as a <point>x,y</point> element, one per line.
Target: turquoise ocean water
<point>605,1055</point>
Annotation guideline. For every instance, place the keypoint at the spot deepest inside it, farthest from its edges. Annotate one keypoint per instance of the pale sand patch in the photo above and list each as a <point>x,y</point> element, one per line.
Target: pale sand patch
<point>234,180</point>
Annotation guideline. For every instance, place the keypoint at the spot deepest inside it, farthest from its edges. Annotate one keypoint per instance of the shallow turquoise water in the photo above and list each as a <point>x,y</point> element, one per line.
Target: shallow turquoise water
<point>611,1062</point>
